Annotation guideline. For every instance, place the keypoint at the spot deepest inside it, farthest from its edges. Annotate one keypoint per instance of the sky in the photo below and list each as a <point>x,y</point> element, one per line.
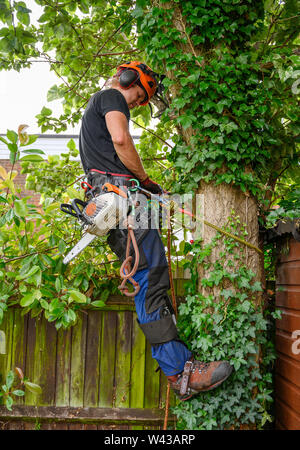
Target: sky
<point>22,96</point>
<point>24,93</point>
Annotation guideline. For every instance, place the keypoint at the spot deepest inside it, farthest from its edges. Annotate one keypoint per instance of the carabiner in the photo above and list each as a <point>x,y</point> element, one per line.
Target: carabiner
<point>135,187</point>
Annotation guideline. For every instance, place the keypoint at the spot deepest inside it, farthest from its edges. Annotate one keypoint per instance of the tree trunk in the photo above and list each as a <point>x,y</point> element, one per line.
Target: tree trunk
<point>218,202</point>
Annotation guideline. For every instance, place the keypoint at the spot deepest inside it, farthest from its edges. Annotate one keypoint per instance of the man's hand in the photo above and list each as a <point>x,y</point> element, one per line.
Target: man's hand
<point>151,186</point>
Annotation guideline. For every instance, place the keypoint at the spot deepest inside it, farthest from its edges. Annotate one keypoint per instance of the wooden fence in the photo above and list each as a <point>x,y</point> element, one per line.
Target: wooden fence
<point>98,374</point>
<point>287,337</point>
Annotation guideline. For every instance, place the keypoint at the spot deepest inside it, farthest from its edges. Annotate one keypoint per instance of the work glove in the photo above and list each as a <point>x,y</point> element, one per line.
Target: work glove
<point>151,186</point>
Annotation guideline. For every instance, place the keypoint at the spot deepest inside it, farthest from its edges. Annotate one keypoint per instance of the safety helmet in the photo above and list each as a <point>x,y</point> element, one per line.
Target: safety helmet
<point>136,72</point>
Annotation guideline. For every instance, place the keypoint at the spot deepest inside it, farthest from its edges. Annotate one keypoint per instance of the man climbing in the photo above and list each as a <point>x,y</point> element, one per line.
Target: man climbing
<point>108,154</point>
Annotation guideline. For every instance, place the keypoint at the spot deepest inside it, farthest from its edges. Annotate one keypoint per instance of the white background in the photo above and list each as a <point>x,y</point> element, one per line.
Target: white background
<point>24,93</point>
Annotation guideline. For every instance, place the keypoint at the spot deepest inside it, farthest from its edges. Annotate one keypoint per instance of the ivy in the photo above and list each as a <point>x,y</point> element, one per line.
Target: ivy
<point>228,327</point>
<point>232,121</point>
<point>232,72</point>
<point>231,77</point>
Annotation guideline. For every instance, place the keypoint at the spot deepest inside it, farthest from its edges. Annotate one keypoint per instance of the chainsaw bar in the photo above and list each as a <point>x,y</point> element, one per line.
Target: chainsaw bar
<point>84,242</point>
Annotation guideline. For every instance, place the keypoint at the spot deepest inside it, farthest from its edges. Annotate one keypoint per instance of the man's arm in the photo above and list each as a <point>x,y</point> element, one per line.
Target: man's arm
<point>117,126</point>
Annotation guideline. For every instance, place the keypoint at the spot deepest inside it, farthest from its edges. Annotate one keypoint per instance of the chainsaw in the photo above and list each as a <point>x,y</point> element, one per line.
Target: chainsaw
<point>103,212</point>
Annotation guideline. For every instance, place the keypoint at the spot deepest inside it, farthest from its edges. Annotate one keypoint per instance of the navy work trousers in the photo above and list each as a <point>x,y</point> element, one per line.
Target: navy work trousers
<point>170,356</point>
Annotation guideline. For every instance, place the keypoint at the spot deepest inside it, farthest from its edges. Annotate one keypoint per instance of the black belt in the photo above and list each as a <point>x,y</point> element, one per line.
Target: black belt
<point>97,177</point>
<point>111,173</point>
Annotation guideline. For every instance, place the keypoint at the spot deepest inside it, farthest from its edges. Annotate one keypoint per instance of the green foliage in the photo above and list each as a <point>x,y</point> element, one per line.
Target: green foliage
<point>231,326</point>
<point>15,386</point>
<point>235,89</point>
<point>34,239</point>
<point>233,85</point>
<point>82,42</point>
<point>288,207</point>
<point>232,75</point>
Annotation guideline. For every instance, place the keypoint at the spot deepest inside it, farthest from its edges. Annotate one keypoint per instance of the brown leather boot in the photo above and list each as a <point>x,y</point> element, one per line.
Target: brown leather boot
<point>198,377</point>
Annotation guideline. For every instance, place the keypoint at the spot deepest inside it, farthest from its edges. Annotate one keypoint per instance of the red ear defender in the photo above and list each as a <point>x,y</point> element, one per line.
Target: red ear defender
<point>128,78</point>
<point>144,77</point>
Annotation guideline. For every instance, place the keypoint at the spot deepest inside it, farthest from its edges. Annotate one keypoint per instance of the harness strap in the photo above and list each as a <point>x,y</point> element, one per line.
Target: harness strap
<point>185,377</point>
<point>110,173</point>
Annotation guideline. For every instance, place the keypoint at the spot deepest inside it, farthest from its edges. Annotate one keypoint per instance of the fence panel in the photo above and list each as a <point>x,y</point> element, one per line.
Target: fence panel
<point>99,374</point>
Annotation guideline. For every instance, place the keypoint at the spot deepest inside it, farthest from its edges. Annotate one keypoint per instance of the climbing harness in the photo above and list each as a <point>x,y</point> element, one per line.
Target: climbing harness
<point>107,208</point>
<point>110,206</point>
<point>125,270</point>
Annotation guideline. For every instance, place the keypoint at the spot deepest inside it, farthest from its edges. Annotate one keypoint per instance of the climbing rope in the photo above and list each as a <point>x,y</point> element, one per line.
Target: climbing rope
<point>174,307</point>
<point>125,270</point>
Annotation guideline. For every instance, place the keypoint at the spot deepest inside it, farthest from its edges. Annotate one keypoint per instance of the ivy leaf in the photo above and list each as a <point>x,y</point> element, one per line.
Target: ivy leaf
<point>186,121</point>
<point>256,286</point>
<point>244,283</point>
<point>226,293</point>
<point>245,306</point>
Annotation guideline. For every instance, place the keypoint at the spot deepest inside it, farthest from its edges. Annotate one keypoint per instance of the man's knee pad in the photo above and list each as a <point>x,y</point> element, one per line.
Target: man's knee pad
<point>163,329</point>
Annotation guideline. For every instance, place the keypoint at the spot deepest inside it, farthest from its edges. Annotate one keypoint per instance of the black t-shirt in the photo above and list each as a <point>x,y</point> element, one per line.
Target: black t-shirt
<point>95,144</point>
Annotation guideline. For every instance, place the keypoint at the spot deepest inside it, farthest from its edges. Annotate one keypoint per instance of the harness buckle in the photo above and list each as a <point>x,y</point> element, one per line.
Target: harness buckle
<point>185,377</point>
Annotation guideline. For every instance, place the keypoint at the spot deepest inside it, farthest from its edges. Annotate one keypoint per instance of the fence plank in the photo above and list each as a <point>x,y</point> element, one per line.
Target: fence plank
<point>123,359</point>
<point>92,366</point>
<point>107,366</point>
<point>84,415</point>
<point>151,381</point>
<point>30,398</point>
<point>138,357</point>
<point>42,366</point>
<point>78,360</point>
<point>47,363</point>
<point>6,359</point>
<point>63,367</point>
<point>19,339</point>
<point>19,345</point>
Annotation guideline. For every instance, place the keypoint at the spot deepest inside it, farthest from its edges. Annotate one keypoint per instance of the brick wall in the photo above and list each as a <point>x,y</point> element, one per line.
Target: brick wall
<point>20,180</point>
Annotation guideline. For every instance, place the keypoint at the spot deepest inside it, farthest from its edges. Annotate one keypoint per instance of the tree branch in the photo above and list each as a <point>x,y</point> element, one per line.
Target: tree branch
<point>149,131</point>
<point>118,53</point>
<point>97,54</point>
<point>189,40</point>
